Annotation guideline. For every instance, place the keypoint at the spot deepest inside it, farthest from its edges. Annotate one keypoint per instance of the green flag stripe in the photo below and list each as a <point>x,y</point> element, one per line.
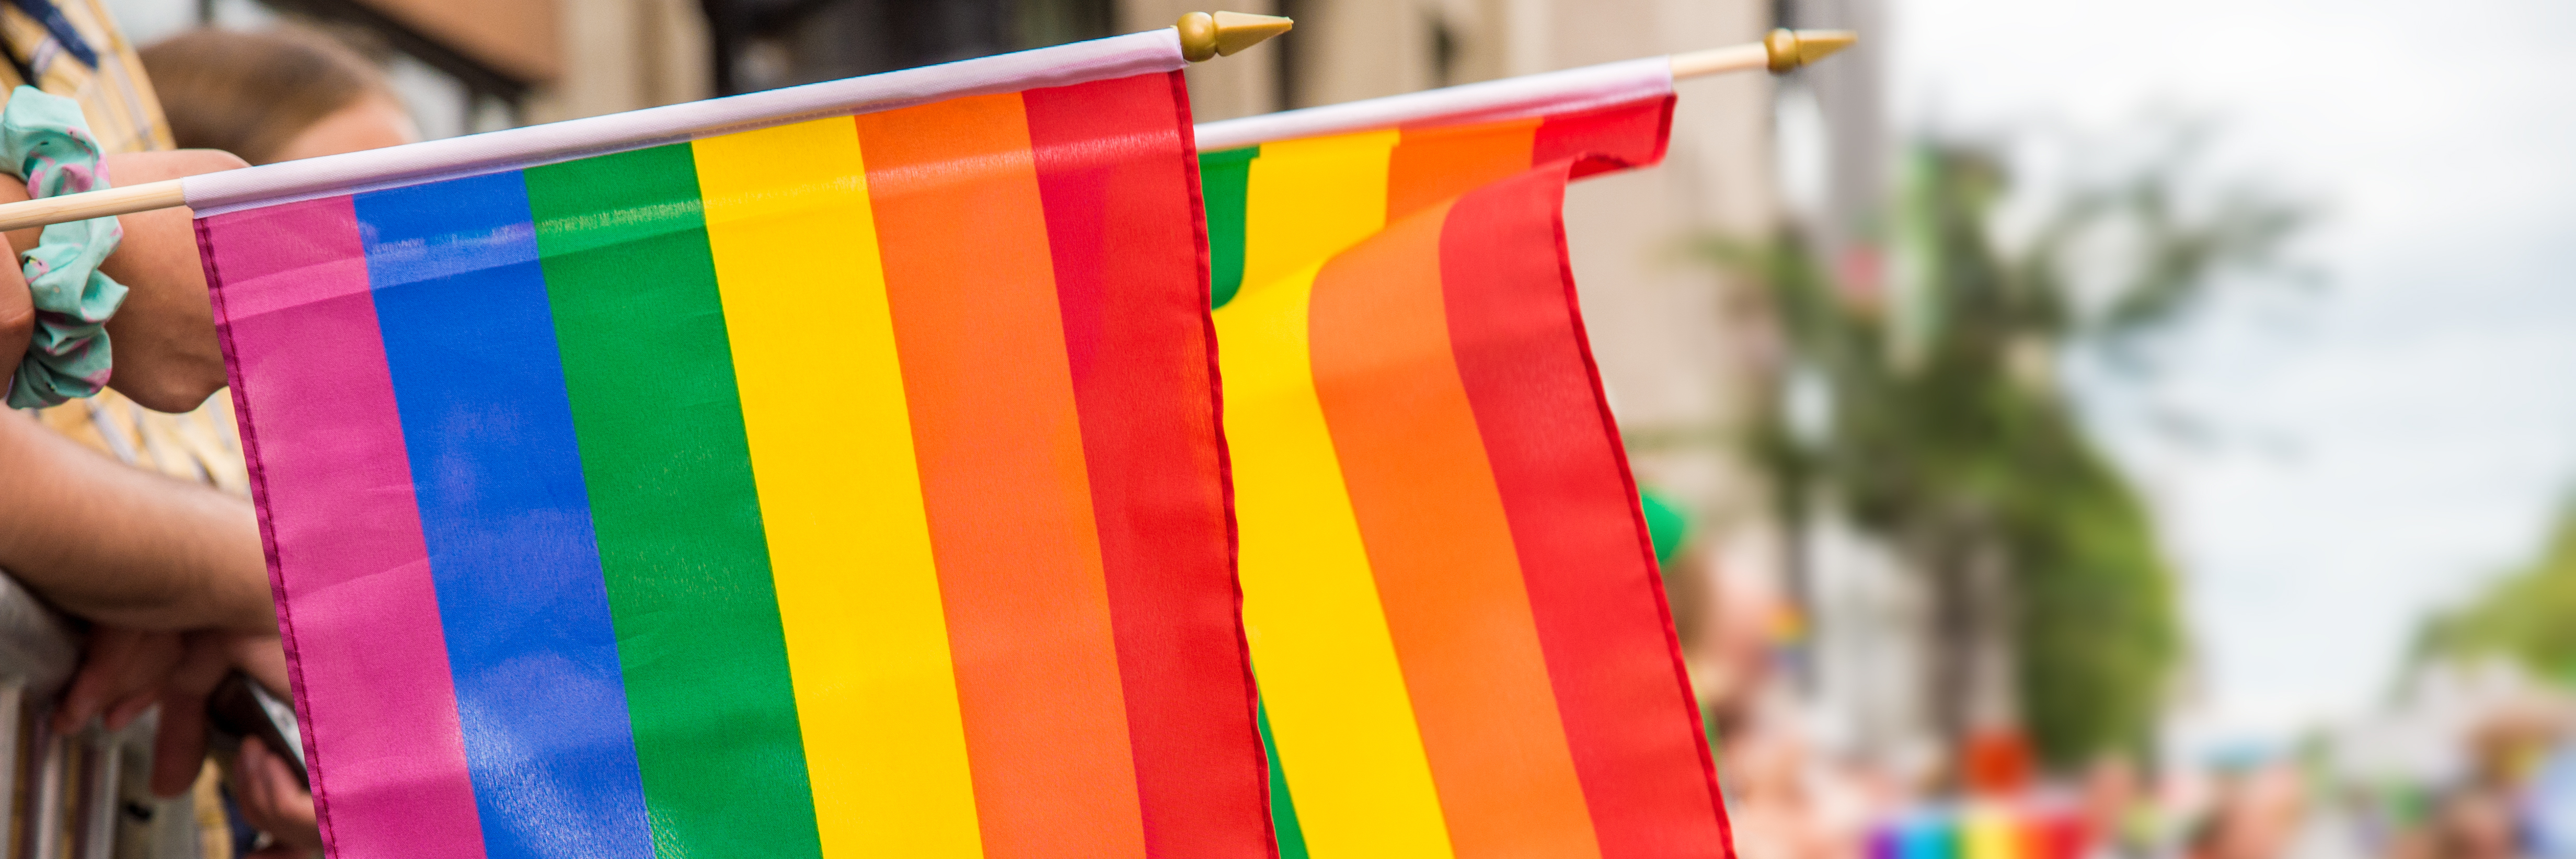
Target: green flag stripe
<point>1283,810</point>
<point>1223,176</point>
<point>650,374</point>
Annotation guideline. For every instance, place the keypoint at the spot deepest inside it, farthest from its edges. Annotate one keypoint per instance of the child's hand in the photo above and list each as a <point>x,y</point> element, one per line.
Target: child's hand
<point>164,335</point>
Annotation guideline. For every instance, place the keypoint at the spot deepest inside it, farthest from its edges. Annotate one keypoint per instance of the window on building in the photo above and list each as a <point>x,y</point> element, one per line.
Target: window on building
<point>764,44</point>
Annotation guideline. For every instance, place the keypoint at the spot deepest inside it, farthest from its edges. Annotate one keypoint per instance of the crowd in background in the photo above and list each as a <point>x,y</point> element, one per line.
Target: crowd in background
<point>2501,785</point>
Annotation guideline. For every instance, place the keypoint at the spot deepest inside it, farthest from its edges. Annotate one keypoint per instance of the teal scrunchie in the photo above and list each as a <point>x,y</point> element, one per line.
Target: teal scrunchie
<point>44,140</point>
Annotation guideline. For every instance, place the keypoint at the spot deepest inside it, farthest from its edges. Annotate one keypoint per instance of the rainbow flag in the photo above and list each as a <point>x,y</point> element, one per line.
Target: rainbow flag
<point>849,487</point>
<point>1451,599</point>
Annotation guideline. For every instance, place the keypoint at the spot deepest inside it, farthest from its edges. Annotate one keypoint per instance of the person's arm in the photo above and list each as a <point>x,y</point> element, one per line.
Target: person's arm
<point>164,333</point>
<point>125,547</point>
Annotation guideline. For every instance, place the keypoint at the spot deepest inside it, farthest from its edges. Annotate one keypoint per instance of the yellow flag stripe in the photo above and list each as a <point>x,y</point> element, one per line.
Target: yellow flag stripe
<point>795,249</point>
<point>1338,708</point>
<point>1307,200</point>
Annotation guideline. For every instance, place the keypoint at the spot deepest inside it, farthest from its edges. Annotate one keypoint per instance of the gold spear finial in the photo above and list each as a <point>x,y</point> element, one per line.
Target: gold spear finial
<point>1790,49</point>
<point>1222,34</point>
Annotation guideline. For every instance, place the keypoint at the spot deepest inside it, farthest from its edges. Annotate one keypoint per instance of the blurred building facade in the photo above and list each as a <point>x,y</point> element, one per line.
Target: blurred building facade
<point>1870,695</point>
<point>1675,341</point>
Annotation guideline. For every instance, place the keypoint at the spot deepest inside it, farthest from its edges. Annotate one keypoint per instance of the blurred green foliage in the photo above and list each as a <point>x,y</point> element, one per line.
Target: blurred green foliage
<point>1928,414</point>
<point>2529,616</point>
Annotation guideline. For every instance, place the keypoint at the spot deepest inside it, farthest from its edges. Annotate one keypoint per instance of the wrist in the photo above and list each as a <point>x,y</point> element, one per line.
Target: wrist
<point>46,143</point>
<point>17,310</point>
<point>16,192</point>
<point>17,327</point>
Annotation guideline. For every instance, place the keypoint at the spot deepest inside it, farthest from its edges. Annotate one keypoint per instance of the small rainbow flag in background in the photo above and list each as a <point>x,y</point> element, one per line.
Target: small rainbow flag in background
<point>1450,596</point>
<point>1986,829</point>
<point>849,487</point>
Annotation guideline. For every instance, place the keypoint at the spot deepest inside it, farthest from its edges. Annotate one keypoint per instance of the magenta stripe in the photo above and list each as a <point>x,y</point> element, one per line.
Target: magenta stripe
<point>343,534</point>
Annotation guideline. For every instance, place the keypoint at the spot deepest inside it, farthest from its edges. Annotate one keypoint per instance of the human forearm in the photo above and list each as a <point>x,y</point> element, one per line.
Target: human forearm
<point>121,546</point>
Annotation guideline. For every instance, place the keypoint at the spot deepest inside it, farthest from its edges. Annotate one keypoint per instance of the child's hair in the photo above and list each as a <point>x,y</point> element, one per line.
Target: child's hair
<point>250,93</point>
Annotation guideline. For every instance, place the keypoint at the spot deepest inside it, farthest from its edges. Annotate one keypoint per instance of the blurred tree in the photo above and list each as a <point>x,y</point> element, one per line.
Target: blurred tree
<point>2528,616</point>
<point>1929,416</point>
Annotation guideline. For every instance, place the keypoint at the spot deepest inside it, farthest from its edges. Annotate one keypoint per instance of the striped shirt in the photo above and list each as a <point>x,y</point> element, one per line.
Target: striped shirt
<point>72,48</point>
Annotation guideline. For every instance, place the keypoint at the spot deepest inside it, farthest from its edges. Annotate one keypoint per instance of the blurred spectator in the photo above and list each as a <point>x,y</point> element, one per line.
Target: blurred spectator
<point>2122,823</point>
<point>2475,822</point>
<point>1734,671</point>
<point>1774,807</point>
<point>2508,746</point>
<point>272,96</point>
<point>2258,815</point>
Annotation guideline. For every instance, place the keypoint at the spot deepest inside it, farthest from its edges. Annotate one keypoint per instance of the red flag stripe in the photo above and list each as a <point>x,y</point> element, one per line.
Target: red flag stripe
<point>1440,549</point>
<point>1148,433</point>
<point>1583,549</point>
<point>1624,135</point>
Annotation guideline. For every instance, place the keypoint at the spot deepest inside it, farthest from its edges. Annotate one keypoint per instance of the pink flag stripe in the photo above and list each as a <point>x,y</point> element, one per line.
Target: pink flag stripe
<point>346,551</point>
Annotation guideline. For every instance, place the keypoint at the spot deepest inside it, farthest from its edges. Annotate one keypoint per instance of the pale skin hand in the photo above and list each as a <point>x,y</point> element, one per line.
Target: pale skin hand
<point>186,557</point>
<point>164,334</point>
<point>179,744</point>
<point>179,741</point>
<point>274,803</point>
<point>124,671</point>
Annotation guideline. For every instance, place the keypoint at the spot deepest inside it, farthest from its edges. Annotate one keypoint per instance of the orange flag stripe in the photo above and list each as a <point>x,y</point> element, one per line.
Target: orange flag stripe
<point>999,437</point>
<point>1446,573</point>
<point>1431,165</point>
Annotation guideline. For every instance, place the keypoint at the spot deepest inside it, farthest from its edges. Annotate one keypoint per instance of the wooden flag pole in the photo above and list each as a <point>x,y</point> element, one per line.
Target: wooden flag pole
<point>1203,36</point>
<point>123,200</point>
<point>1780,52</point>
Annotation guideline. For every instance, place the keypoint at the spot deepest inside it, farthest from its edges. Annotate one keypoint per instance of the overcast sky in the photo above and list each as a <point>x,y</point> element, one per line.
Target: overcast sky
<point>2400,436</point>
